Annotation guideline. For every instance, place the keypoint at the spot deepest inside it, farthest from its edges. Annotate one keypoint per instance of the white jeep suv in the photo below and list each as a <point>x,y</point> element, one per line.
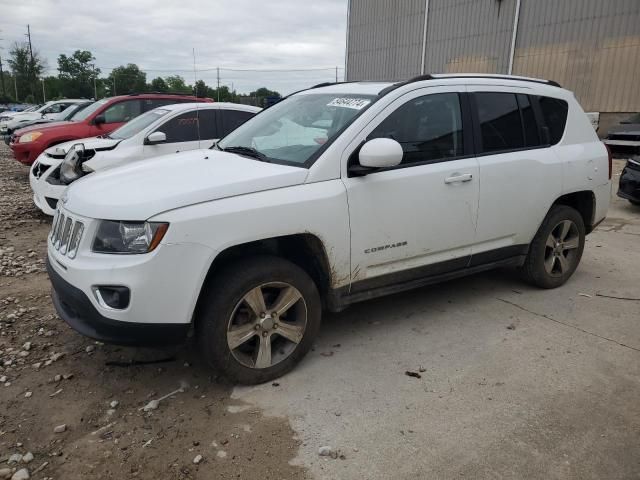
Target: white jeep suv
<point>394,186</point>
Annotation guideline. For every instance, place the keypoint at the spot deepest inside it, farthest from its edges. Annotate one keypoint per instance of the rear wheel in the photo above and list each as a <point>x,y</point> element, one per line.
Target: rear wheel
<point>635,202</point>
<point>556,249</point>
<point>259,319</point>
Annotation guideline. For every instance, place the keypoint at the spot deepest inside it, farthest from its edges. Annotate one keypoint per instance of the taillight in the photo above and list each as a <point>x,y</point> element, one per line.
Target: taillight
<point>610,161</point>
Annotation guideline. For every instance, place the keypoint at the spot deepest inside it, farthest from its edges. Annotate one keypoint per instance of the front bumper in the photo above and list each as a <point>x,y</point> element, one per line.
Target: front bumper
<point>629,186</point>
<point>26,152</point>
<point>164,287</point>
<point>75,308</point>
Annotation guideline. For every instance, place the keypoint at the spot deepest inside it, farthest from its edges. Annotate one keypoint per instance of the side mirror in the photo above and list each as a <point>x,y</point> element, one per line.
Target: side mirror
<point>155,138</point>
<point>99,119</point>
<point>375,154</point>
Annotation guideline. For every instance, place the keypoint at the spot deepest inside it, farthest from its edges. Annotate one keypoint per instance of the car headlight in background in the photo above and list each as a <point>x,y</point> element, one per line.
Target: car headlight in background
<point>128,237</point>
<point>69,169</point>
<point>30,137</point>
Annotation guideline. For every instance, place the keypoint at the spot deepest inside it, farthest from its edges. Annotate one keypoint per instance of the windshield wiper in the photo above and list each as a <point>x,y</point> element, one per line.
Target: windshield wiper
<point>247,151</point>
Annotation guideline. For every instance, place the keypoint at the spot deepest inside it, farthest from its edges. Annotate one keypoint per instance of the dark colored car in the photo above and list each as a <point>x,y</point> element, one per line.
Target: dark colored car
<point>100,118</point>
<point>629,187</point>
<point>625,138</point>
<point>72,111</point>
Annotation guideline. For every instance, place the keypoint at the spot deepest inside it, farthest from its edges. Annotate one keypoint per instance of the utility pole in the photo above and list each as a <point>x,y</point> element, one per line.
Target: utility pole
<point>218,75</point>
<point>32,74</point>
<point>44,96</point>
<point>2,78</point>
<point>15,85</point>
<point>95,88</point>
<point>114,85</point>
<point>336,74</point>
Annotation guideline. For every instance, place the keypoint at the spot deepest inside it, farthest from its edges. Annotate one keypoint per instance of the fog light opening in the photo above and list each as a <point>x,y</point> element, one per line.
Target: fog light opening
<point>113,297</point>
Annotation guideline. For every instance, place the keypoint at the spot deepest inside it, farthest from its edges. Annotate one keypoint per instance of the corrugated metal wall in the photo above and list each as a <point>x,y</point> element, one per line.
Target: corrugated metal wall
<point>590,46</point>
<point>469,35</point>
<point>385,39</point>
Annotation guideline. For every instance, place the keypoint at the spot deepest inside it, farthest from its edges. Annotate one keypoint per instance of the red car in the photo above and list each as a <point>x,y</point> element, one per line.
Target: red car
<point>99,118</point>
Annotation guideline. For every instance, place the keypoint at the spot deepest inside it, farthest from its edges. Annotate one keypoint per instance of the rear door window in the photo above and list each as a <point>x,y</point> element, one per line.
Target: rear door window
<point>208,124</point>
<point>232,119</point>
<point>529,124</point>
<point>554,112</point>
<point>500,122</point>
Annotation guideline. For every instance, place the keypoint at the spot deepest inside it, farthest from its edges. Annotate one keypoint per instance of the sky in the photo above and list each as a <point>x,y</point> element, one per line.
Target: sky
<point>159,36</point>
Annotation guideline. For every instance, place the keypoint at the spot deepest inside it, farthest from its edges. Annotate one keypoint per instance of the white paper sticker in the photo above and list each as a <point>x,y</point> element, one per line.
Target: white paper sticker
<point>355,103</point>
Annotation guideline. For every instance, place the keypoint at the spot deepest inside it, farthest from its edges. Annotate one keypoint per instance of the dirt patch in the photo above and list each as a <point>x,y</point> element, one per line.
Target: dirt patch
<point>56,377</point>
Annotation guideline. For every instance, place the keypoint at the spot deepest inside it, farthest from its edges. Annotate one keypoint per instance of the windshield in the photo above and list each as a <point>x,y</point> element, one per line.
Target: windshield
<point>83,114</point>
<point>138,124</point>
<point>32,109</point>
<point>70,112</point>
<point>43,107</point>
<point>293,130</point>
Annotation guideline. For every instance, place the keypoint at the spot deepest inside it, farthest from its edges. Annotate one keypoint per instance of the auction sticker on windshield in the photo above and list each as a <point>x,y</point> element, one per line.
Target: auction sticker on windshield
<point>355,103</point>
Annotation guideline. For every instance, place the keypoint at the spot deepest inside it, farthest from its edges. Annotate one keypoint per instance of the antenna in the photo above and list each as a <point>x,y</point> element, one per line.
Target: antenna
<point>195,93</point>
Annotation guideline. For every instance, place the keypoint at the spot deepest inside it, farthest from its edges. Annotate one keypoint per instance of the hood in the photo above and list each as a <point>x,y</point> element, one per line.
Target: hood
<point>47,127</point>
<point>144,189</point>
<point>629,128</point>
<point>26,116</point>
<point>91,143</point>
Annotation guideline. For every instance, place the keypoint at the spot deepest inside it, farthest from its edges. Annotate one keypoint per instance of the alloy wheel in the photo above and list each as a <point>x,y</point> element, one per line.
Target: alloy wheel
<point>561,248</point>
<point>267,325</point>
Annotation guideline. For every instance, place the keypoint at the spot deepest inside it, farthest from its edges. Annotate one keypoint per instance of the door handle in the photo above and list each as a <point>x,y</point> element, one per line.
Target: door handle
<point>465,177</point>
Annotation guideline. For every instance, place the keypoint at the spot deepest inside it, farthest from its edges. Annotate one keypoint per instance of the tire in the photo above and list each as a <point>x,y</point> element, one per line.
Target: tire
<point>227,313</point>
<point>634,202</point>
<point>548,245</point>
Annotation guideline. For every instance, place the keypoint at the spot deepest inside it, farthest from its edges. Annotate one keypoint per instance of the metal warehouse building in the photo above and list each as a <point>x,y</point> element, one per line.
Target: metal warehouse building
<point>589,46</point>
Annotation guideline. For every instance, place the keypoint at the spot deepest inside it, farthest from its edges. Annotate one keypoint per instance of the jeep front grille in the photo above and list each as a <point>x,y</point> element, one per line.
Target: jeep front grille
<point>66,234</point>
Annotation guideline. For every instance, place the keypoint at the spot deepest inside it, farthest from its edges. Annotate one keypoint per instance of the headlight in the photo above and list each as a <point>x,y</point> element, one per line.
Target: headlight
<point>30,137</point>
<point>69,169</point>
<point>128,237</point>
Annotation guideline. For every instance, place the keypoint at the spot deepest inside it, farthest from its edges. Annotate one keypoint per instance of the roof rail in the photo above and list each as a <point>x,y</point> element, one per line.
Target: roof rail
<point>514,78</point>
<point>429,76</point>
<point>163,93</point>
<point>327,84</point>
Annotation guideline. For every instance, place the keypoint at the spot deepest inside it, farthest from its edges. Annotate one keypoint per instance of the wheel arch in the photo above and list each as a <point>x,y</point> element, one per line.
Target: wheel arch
<point>584,201</point>
<point>306,250</point>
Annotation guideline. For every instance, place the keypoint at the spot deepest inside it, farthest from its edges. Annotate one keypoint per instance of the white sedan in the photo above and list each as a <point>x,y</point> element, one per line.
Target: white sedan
<point>10,121</point>
<point>164,130</point>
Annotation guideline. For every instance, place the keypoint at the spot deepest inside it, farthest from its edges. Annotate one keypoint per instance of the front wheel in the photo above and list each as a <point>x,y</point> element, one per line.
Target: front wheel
<point>258,319</point>
<point>556,250</point>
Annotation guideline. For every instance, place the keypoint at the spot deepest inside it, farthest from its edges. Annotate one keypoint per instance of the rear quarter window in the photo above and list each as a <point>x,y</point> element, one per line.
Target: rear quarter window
<point>554,113</point>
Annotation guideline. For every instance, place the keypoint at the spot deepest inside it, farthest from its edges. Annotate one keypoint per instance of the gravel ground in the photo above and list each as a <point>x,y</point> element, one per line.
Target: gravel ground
<point>51,376</point>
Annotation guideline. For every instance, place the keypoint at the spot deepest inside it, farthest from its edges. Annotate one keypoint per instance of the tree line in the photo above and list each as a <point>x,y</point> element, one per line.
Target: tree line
<point>78,77</point>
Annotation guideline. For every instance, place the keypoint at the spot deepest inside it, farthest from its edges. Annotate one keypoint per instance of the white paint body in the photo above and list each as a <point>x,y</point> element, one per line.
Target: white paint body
<point>215,200</point>
<point>111,152</point>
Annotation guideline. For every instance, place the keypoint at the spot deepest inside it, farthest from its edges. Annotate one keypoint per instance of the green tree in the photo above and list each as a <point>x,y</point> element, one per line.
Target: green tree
<point>77,74</point>
<point>176,84</point>
<point>201,88</point>
<point>159,85</point>
<point>25,70</point>
<point>127,79</point>
<point>264,92</point>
